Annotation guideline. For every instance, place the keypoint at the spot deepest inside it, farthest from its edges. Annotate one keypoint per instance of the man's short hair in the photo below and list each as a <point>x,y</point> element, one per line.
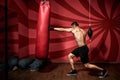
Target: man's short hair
<point>74,24</point>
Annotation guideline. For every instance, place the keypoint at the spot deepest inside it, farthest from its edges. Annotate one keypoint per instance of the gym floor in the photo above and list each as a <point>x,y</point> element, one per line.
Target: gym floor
<point>57,71</point>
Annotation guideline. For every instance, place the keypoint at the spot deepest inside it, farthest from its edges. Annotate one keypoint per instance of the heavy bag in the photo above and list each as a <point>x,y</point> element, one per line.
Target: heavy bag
<point>90,32</point>
<point>42,30</point>
<point>24,63</point>
<point>36,64</point>
<point>13,61</point>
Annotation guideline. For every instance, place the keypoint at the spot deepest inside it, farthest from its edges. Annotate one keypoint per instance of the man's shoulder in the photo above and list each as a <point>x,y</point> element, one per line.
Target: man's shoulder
<point>83,30</point>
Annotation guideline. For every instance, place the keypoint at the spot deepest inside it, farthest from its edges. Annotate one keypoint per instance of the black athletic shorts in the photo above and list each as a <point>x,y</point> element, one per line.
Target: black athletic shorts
<point>82,52</point>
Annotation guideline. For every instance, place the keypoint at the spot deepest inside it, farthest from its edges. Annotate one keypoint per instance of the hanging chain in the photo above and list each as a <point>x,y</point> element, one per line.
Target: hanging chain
<point>89,14</point>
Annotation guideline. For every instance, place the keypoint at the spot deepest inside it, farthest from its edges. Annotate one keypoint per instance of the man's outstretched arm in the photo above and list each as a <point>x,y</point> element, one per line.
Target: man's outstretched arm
<point>61,29</point>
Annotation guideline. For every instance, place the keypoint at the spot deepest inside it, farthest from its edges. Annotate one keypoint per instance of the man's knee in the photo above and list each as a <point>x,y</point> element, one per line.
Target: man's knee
<point>70,55</point>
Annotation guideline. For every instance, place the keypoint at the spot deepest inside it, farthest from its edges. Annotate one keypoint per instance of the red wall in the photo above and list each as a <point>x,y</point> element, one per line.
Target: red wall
<point>2,36</point>
<point>17,28</point>
<point>105,19</point>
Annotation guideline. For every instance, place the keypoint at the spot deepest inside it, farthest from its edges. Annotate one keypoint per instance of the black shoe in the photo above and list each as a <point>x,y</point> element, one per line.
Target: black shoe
<point>103,73</point>
<point>72,73</point>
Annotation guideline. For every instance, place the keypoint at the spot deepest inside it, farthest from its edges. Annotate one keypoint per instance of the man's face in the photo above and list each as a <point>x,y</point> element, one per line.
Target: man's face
<point>73,25</point>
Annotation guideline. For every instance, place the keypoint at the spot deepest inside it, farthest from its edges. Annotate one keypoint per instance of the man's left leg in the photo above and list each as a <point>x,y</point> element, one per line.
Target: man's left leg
<point>103,72</point>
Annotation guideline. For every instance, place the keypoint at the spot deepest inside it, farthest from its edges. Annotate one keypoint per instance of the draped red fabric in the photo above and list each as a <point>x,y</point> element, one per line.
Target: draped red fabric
<point>42,30</point>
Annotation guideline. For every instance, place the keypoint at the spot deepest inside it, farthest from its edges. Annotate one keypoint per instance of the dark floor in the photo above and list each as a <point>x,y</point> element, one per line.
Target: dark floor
<point>57,71</point>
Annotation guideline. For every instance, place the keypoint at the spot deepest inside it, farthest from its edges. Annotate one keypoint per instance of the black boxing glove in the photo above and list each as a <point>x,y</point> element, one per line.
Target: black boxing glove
<point>51,28</point>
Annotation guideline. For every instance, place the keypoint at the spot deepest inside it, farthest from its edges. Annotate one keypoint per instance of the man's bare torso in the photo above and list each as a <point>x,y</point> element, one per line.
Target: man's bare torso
<point>79,35</point>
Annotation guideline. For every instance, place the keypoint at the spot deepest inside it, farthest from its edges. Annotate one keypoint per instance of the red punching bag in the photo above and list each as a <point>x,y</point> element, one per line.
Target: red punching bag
<point>42,30</point>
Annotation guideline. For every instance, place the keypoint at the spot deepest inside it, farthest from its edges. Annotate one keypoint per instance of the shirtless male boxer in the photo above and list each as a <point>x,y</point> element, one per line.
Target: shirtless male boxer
<point>81,51</point>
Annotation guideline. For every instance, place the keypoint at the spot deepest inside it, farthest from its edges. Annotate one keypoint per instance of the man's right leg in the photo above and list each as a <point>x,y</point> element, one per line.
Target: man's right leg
<point>73,71</point>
